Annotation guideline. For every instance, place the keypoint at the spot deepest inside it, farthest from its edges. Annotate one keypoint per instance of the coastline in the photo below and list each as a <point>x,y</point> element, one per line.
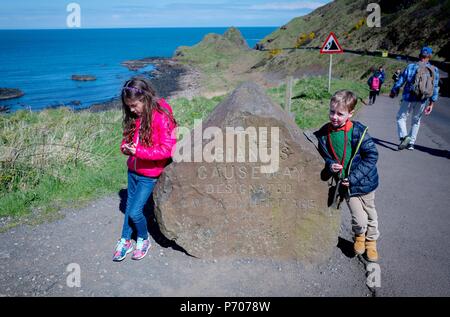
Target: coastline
<point>170,78</point>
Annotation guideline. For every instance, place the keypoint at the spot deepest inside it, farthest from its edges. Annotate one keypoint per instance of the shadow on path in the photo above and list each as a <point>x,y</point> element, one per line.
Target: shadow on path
<point>152,224</point>
<point>385,144</point>
<point>346,247</point>
<point>393,147</point>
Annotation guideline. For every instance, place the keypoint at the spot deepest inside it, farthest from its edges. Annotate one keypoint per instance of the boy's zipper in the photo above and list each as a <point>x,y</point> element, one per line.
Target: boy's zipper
<point>356,151</point>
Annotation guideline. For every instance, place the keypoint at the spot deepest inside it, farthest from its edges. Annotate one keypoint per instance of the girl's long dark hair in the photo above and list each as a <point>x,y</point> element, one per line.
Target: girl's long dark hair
<point>140,89</point>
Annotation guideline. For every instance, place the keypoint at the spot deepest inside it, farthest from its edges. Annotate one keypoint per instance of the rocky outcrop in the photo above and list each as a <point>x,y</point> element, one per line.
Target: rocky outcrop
<point>10,93</point>
<point>235,36</point>
<point>230,42</point>
<point>244,205</point>
<point>170,78</point>
<point>4,109</point>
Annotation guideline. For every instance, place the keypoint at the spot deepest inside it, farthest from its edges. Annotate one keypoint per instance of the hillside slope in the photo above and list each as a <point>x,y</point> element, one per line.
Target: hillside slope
<point>224,61</point>
<point>406,25</point>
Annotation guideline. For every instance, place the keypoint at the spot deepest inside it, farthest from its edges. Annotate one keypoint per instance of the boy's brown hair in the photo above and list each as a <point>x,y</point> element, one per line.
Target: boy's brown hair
<point>344,98</point>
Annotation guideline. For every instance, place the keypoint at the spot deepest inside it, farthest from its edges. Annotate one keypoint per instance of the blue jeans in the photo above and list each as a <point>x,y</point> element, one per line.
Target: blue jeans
<point>139,190</point>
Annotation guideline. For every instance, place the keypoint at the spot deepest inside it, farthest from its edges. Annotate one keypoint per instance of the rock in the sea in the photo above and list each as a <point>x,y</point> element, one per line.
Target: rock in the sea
<point>236,207</point>
<point>4,109</point>
<point>10,93</point>
<point>74,103</point>
<point>83,77</point>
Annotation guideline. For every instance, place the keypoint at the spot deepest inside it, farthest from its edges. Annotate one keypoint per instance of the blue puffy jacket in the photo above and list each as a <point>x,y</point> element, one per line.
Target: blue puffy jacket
<point>363,175</point>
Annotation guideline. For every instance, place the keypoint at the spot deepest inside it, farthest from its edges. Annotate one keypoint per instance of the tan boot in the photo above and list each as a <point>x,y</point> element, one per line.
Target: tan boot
<point>359,246</point>
<point>371,249</point>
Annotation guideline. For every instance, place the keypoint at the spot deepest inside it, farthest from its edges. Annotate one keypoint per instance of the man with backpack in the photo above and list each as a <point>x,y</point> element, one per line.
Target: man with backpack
<point>374,83</point>
<point>419,95</point>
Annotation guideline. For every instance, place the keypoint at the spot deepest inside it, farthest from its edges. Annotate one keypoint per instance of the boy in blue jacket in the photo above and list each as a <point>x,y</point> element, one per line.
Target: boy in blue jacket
<point>351,156</point>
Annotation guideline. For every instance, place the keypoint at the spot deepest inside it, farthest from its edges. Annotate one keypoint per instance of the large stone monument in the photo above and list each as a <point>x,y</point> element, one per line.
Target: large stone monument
<point>247,183</point>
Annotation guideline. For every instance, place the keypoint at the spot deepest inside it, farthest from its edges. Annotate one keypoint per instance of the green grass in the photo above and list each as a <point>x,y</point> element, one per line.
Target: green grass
<point>186,111</point>
<point>58,158</point>
<point>345,66</point>
<point>310,102</point>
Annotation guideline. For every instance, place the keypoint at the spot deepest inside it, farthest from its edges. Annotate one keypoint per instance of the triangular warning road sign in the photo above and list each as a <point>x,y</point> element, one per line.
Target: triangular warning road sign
<point>331,45</point>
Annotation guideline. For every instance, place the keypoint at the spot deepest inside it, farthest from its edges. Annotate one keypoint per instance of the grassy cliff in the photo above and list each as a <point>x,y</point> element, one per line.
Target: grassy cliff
<point>406,25</point>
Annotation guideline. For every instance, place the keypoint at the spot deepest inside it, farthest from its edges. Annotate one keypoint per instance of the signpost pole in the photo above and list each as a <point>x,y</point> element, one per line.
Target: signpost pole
<point>288,94</point>
<point>329,73</point>
<point>331,46</point>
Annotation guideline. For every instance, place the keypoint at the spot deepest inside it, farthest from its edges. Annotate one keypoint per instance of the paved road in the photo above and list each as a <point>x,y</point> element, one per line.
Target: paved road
<point>412,203</point>
<point>440,120</point>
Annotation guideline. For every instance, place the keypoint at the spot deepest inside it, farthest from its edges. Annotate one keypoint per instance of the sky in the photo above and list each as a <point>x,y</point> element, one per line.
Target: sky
<point>53,14</point>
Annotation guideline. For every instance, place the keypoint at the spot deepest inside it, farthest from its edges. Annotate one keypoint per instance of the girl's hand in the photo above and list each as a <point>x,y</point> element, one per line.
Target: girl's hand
<point>125,150</point>
<point>345,182</point>
<point>132,148</point>
<point>129,149</point>
<point>336,167</point>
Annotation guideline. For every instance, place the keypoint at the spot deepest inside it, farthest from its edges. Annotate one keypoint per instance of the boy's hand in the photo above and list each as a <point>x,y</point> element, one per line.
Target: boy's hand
<point>345,182</point>
<point>336,167</point>
<point>429,108</point>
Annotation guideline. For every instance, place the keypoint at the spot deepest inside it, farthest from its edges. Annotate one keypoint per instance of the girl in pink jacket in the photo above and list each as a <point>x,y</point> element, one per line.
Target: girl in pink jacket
<point>149,141</point>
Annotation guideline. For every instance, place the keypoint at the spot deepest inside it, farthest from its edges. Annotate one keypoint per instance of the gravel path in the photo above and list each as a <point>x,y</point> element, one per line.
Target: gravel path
<point>412,202</point>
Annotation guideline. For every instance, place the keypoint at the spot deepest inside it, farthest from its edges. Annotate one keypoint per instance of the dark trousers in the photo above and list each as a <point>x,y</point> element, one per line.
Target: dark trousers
<point>372,96</point>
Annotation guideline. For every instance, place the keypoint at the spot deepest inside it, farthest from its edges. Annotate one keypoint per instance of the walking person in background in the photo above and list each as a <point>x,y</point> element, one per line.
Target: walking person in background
<point>374,83</point>
<point>382,76</point>
<point>396,75</point>
<point>421,90</point>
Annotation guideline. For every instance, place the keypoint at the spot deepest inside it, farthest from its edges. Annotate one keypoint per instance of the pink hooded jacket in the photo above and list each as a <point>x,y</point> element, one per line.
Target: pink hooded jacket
<point>150,161</point>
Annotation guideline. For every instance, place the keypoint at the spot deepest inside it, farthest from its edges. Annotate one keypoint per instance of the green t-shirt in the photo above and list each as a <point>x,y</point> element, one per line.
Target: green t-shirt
<point>337,140</point>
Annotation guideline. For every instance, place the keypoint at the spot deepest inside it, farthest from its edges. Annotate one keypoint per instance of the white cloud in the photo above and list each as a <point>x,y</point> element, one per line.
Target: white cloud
<point>288,5</point>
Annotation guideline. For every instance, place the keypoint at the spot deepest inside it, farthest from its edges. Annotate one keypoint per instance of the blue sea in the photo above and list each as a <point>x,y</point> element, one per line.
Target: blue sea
<point>41,62</point>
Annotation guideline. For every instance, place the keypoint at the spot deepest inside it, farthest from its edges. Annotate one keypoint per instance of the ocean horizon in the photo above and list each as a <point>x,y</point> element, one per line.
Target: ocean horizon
<point>41,62</point>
